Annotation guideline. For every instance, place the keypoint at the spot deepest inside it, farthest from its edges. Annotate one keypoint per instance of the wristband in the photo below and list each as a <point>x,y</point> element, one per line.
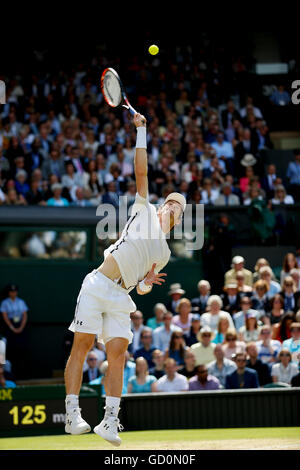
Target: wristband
<point>143,287</point>
<point>141,140</point>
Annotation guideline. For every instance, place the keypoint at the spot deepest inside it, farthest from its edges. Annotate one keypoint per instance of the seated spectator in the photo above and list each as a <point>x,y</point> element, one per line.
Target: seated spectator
<point>266,274</point>
<point>162,334</point>
<point>137,326</point>
<point>223,326</point>
<point>282,330</point>
<point>242,377</point>
<point>289,262</point>
<point>57,200</point>
<point>208,194</point>
<point>285,369</point>
<point>146,350</point>
<point>293,343</point>
<point>202,380</point>
<point>251,330</point>
<point>142,381</point>
<point>253,362</point>
<point>252,196</point>
<point>156,321</point>
<point>172,381</point>
<point>35,194</point>
<point>92,372</point>
<point>239,318</point>
<point>276,309</point>
<point>158,358</point>
<point>191,336</point>
<point>21,186</point>
<point>221,366</point>
<point>280,97</point>
<point>189,364</point>
<point>267,347</point>
<point>176,348</point>
<point>5,383</point>
<point>259,264</point>
<point>231,298</point>
<point>268,181</point>
<point>199,303</point>
<point>293,175</point>
<point>232,346</point>
<point>243,289</point>
<point>211,317</point>
<point>260,300</point>
<point>280,196</point>
<point>14,199</point>
<point>226,197</point>
<point>238,265</point>
<point>245,181</point>
<point>291,297</point>
<point>204,349</point>
<point>175,293</point>
<point>82,197</point>
<point>295,274</point>
<point>184,317</point>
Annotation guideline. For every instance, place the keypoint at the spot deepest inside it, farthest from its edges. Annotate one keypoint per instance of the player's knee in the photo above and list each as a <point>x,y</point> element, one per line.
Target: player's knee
<point>83,342</point>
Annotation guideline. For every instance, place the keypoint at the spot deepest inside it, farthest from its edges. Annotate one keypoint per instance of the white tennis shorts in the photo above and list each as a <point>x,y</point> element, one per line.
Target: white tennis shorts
<point>103,308</point>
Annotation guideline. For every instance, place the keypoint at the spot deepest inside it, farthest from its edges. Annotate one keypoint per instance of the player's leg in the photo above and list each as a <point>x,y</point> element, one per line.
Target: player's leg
<point>82,343</point>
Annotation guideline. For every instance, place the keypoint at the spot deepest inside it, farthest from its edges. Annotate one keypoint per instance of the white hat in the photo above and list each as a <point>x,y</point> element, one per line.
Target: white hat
<point>238,260</point>
<point>176,289</point>
<point>178,198</point>
<point>248,160</point>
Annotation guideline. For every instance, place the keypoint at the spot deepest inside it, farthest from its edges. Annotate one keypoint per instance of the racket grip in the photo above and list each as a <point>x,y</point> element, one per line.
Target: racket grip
<point>133,111</point>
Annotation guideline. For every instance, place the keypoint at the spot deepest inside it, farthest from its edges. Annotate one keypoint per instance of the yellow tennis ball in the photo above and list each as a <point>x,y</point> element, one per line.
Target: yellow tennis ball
<point>153,49</point>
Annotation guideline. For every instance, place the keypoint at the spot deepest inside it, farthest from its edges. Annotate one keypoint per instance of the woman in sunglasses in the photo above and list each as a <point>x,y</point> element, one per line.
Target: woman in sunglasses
<point>176,349</point>
<point>285,369</point>
<point>291,297</point>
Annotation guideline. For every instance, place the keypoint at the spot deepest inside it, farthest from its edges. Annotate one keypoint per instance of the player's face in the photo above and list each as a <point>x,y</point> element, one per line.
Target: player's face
<point>171,214</point>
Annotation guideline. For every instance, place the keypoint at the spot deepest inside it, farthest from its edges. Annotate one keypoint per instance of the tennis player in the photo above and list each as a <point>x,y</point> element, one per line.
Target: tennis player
<point>104,305</point>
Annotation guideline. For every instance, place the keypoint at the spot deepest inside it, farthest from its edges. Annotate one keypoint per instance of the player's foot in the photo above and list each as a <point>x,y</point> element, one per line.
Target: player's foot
<point>108,429</point>
<point>75,424</point>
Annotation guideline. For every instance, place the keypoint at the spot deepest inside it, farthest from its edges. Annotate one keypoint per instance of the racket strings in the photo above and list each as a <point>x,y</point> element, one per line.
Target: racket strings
<point>112,89</point>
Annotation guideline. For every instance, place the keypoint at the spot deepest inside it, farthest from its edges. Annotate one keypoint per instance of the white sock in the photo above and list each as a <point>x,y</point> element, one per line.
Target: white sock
<point>112,405</point>
<point>71,402</point>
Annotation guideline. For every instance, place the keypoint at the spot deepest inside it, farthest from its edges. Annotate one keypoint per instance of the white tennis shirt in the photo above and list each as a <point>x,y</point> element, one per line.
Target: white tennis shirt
<point>141,244</point>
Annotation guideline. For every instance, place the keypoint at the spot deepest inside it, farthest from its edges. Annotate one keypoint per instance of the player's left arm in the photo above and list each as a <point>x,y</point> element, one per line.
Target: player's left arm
<point>151,278</point>
<point>140,158</point>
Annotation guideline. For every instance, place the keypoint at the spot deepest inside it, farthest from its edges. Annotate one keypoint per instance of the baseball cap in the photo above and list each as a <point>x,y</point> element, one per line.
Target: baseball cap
<point>178,198</point>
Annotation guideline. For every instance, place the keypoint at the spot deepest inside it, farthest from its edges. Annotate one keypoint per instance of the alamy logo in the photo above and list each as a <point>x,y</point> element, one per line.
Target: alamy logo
<point>296,94</point>
<point>2,92</point>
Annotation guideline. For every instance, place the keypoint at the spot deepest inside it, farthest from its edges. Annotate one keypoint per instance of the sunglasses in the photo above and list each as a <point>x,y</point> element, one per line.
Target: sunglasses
<point>240,360</point>
<point>284,355</point>
<point>178,336</point>
<point>206,335</point>
<point>231,339</point>
<point>288,285</point>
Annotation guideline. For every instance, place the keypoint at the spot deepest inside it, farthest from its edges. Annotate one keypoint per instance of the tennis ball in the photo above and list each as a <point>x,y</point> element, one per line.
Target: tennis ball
<point>153,49</point>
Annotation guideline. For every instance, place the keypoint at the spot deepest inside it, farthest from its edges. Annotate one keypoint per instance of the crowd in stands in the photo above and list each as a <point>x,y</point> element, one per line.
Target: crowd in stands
<point>61,145</point>
<point>247,337</point>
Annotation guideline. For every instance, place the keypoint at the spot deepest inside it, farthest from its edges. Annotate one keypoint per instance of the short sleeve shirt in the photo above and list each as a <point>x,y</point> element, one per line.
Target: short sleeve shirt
<point>14,309</point>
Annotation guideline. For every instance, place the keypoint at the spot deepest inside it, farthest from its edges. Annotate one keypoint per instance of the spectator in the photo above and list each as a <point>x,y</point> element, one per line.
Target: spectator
<point>199,303</point>
<point>267,347</point>
<point>221,366</point>
<point>231,298</point>
<point>242,377</point>
<point>22,186</point>
<point>285,369</point>
<point>295,274</point>
<point>176,348</point>
<point>14,312</point>
<point>280,196</point>
<point>142,381</point>
<point>162,334</point>
<point>204,349</point>
<point>223,326</point>
<point>202,380</point>
<point>260,301</point>
<point>4,383</point>
<point>259,264</point>
<point>137,326</point>
<point>289,262</point>
<point>232,346</point>
<point>158,358</point>
<point>146,350</point>
<point>227,198</point>
<point>189,364</point>
<point>57,200</point>
<point>268,181</point>
<point>251,330</point>
<point>191,336</point>
<point>293,343</point>
<point>243,289</point>
<point>211,318</point>
<point>276,309</point>
<point>266,274</point>
<point>240,317</point>
<point>184,317</point>
<point>176,293</point>
<point>291,297</point>
<point>280,97</point>
<point>253,362</point>
<point>156,321</point>
<point>92,372</point>
<point>238,265</point>
<point>282,330</point>
<point>293,175</point>
<point>172,381</point>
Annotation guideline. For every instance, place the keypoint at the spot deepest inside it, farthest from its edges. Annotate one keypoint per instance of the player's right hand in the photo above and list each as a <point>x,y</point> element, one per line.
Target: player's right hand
<point>139,120</point>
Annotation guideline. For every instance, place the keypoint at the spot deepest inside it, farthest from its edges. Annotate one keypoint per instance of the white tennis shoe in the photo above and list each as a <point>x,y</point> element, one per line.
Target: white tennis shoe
<point>75,424</point>
<point>108,429</point>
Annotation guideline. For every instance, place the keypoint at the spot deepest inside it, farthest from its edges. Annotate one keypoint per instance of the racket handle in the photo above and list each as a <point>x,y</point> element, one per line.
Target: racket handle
<point>132,110</point>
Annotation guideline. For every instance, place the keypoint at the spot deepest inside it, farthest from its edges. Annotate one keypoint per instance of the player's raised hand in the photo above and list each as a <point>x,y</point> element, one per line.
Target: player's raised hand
<point>153,278</point>
<point>139,120</point>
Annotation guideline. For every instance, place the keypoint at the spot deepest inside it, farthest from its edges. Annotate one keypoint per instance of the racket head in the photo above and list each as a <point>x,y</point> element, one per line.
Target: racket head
<point>111,87</point>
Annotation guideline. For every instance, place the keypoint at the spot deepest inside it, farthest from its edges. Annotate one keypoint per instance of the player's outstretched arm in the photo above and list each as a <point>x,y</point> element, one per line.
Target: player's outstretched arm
<point>145,286</point>
<point>140,158</point>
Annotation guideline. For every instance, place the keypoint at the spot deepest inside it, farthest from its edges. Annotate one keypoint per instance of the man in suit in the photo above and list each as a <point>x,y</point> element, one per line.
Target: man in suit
<point>242,377</point>
<point>229,115</point>
<point>199,303</point>
<point>231,298</point>
<point>93,371</point>
<point>268,181</point>
<point>53,165</point>
<point>227,198</point>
